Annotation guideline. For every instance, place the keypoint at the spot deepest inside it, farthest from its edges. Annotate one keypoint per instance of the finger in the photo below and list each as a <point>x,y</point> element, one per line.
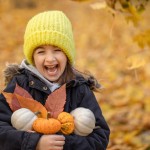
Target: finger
<point>57,148</point>
<point>59,143</point>
<point>59,137</point>
<point>31,131</point>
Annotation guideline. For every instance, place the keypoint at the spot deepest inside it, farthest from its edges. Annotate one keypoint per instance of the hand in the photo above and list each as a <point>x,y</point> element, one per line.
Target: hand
<point>51,142</point>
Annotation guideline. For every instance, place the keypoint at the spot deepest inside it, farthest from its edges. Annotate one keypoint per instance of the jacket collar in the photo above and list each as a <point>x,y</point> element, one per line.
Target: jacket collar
<point>35,82</point>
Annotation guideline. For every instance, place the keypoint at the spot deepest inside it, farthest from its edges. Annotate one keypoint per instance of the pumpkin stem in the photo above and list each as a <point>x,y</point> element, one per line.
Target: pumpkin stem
<point>37,113</point>
<point>48,115</point>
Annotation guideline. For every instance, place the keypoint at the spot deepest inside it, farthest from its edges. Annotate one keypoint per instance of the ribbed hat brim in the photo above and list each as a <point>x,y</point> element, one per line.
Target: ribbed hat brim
<point>47,38</point>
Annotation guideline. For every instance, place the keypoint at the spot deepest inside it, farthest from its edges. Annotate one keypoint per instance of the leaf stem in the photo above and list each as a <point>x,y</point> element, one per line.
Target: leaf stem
<point>48,115</point>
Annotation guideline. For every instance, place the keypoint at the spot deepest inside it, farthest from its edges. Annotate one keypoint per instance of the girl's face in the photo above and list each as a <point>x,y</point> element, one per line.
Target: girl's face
<point>50,61</point>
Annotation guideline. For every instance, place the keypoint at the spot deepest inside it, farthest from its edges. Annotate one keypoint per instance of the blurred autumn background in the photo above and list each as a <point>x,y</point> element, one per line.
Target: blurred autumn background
<point>114,45</point>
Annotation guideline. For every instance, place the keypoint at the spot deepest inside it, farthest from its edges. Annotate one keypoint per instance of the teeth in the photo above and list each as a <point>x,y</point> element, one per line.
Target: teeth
<point>50,66</point>
<point>51,69</point>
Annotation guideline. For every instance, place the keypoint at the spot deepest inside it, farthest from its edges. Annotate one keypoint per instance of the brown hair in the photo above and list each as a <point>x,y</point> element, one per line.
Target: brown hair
<point>67,75</point>
<point>71,73</point>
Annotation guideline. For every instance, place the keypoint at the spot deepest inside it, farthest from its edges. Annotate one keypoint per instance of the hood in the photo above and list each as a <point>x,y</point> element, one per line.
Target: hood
<point>10,71</point>
<point>14,69</point>
<point>85,79</point>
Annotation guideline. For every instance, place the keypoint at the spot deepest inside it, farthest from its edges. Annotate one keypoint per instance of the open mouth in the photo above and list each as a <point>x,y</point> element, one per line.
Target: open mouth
<point>52,69</point>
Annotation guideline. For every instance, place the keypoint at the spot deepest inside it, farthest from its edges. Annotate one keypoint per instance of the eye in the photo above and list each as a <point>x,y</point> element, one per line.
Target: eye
<point>40,50</point>
<point>57,50</point>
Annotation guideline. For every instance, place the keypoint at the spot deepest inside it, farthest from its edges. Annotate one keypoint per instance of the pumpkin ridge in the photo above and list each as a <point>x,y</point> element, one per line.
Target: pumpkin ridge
<point>84,120</point>
<point>87,125</point>
<point>81,133</point>
<point>67,122</point>
<point>46,126</point>
<point>29,124</point>
<point>67,128</point>
<point>86,128</point>
<point>22,119</point>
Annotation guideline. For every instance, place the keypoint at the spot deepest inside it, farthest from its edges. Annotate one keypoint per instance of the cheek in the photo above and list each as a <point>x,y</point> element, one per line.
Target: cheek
<point>64,61</point>
<point>63,57</point>
<point>36,61</point>
<point>34,58</point>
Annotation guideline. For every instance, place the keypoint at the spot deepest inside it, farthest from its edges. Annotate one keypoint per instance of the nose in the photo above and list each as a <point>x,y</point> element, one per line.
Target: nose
<point>50,57</point>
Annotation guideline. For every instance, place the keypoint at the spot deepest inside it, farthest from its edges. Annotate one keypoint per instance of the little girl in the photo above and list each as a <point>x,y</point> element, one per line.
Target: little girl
<point>49,63</point>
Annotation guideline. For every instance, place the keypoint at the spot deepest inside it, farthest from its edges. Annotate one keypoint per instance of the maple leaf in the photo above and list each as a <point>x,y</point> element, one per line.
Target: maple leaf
<point>20,91</point>
<point>12,101</point>
<point>56,101</point>
<point>33,105</point>
<point>22,99</point>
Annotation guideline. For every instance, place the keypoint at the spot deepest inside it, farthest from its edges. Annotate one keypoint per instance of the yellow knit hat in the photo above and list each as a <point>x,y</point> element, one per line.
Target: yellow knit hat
<point>49,28</point>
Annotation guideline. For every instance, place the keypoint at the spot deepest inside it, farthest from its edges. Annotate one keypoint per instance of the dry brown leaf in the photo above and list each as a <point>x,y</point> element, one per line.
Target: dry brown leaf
<point>8,97</point>
<point>24,100</point>
<point>20,91</point>
<point>15,103</point>
<point>12,101</point>
<point>11,97</point>
<point>33,105</point>
<point>56,101</point>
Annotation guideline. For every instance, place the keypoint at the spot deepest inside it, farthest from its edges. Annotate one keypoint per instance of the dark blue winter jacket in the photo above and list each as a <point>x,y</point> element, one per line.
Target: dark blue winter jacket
<point>78,95</point>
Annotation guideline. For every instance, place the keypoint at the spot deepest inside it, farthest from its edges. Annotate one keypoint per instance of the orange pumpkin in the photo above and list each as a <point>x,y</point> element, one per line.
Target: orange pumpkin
<point>46,126</point>
<point>67,122</point>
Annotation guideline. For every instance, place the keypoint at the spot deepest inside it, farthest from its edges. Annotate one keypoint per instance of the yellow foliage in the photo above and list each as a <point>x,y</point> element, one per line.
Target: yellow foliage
<point>143,39</point>
<point>119,64</point>
<point>134,15</point>
<point>81,0</point>
<point>99,5</point>
<point>135,61</point>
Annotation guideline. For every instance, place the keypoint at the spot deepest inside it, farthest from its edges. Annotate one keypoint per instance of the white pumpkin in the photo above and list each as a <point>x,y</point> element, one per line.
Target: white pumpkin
<point>22,119</point>
<point>84,121</point>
